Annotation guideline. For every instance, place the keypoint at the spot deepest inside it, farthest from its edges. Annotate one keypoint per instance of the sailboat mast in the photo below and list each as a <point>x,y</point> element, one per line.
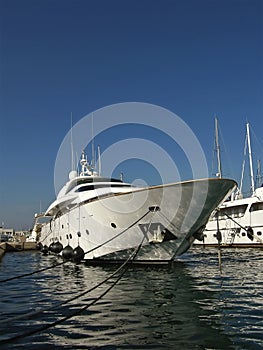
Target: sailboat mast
<point>217,148</point>
<point>250,160</point>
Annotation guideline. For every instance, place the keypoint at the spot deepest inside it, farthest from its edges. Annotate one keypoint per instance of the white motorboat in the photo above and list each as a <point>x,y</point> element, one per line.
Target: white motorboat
<point>98,218</point>
<point>238,222</point>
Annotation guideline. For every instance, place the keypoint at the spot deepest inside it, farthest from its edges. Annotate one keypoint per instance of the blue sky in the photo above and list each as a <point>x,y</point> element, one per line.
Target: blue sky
<point>196,58</point>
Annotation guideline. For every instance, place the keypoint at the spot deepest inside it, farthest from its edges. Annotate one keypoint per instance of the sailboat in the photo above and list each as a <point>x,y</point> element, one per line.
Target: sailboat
<point>101,219</point>
<point>238,222</point>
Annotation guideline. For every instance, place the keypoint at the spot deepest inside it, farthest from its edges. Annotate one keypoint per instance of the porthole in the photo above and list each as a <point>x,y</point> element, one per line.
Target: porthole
<point>79,234</point>
<point>70,235</point>
<point>259,233</point>
<point>113,225</point>
<point>62,226</point>
<point>243,234</point>
<point>67,236</point>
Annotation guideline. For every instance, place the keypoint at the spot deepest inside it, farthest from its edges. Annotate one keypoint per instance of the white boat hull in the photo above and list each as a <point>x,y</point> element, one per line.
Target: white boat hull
<point>164,219</point>
<point>240,223</point>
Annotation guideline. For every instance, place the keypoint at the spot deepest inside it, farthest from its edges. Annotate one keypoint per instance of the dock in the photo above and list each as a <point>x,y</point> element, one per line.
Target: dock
<point>6,247</point>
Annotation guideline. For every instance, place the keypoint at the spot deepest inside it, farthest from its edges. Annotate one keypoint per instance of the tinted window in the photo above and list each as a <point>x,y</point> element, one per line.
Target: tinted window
<point>90,180</point>
<point>256,206</point>
<point>235,211</point>
<point>95,186</point>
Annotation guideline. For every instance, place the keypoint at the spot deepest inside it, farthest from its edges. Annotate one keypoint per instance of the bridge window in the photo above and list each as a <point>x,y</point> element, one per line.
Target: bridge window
<point>256,206</point>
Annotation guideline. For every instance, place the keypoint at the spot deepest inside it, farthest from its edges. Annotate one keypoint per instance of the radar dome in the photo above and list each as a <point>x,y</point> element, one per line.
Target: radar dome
<point>72,175</point>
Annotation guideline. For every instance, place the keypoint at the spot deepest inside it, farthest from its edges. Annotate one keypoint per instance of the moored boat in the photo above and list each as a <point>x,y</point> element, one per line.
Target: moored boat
<point>102,218</point>
<point>238,222</point>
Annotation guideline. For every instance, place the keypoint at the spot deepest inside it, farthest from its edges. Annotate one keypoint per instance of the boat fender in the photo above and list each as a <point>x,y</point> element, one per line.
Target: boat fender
<point>67,252</point>
<point>78,254</point>
<point>50,248</point>
<point>44,250</point>
<point>250,233</point>
<point>57,247</point>
<point>219,236</point>
<point>39,246</point>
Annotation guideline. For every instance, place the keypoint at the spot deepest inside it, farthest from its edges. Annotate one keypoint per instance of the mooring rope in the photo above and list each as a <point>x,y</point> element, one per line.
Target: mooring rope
<point>118,234</point>
<point>87,252</point>
<point>124,266</point>
<point>33,272</point>
<point>243,228</point>
<point>34,313</point>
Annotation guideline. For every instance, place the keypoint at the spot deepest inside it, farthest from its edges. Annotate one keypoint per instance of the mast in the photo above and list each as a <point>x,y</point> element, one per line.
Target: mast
<point>243,165</point>
<point>217,149</point>
<point>85,168</point>
<point>250,160</point>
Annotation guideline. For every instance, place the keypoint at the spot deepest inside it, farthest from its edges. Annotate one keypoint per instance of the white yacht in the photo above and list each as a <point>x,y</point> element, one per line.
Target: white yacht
<point>98,218</point>
<point>238,222</point>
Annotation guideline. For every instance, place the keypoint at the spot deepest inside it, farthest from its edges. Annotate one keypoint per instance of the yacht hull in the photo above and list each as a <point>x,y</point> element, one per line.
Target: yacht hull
<point>164,220</point>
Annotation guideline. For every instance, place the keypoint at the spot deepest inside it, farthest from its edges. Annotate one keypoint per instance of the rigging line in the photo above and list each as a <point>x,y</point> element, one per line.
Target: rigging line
<point>243,165</point>
<point>79,311</point>
<point>258,141</point>
<point>34,313</point>
<point>87,252</point>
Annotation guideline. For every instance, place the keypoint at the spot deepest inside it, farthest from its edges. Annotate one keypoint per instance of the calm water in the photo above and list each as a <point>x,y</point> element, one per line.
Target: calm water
<point>188,306</point>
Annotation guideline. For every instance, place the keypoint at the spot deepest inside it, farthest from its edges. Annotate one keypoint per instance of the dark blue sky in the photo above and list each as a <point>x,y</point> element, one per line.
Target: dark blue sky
<point>196,58</point>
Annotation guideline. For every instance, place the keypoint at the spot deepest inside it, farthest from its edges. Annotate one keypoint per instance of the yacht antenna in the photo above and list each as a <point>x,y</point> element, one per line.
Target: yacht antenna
<point>217,149</point>
<point>71,144</point>
<point>92,145</point>
<point>99,162</point>
<point>250,160</point>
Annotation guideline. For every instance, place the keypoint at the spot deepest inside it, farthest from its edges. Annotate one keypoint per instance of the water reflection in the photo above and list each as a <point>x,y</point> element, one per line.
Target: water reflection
<point>189,305</point>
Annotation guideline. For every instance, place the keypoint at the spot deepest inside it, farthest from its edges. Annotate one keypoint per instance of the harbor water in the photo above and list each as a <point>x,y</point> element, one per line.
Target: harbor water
<point>190,305</point>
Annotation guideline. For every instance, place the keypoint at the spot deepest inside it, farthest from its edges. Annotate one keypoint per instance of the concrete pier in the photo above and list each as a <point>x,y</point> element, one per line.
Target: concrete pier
<point>15,247</point>
<point>2,250</point>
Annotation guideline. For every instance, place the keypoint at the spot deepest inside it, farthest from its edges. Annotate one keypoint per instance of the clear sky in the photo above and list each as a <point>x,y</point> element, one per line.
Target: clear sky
<point>195,58</point>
